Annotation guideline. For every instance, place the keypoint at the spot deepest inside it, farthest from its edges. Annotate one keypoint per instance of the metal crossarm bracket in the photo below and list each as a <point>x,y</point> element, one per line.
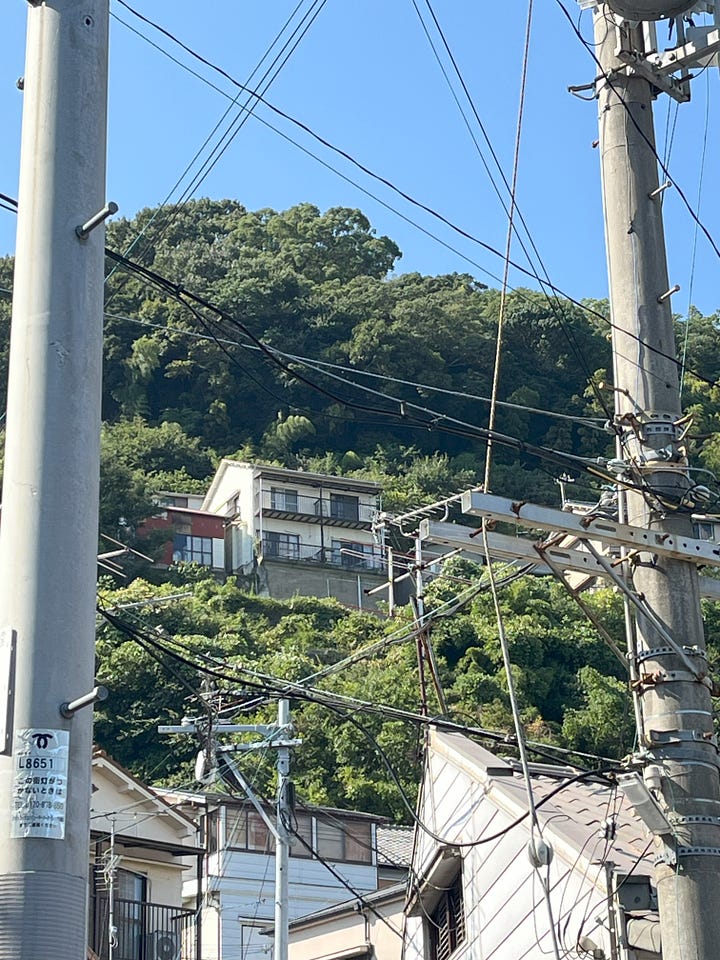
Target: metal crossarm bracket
<point>595,527</point>
<point>504,547</point>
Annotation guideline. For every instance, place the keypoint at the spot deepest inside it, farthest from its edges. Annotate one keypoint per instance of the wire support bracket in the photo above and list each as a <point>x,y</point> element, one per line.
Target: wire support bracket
<point>669,738</point>
<point>656,652</point>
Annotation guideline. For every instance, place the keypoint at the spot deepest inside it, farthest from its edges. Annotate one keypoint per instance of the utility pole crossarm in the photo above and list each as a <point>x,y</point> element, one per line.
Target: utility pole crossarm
<point>663,543</point>
<point>545,557</point>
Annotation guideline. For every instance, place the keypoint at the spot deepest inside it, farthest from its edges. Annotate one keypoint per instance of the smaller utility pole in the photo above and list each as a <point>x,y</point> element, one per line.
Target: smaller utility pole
<point>283,811</point>
<point>279,736</point>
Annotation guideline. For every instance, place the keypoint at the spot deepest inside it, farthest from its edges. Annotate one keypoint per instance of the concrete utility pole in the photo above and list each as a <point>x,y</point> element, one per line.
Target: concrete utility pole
<point>280,737</point>
<point>680,752</point>
<point>284,810</point>
<point>50,492</point>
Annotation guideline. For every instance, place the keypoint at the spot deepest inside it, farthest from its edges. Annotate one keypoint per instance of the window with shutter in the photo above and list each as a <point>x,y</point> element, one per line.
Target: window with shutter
<point>446,923</point>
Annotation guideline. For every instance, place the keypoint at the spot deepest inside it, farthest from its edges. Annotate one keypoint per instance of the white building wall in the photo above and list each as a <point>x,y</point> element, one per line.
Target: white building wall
<point>505,908</point>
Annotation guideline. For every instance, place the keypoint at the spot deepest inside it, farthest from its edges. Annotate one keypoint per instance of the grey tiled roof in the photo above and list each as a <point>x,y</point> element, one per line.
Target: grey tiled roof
<point>394,846</point>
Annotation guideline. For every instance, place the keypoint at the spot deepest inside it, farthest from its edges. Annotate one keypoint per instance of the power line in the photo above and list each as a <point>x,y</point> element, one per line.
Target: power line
<point>650,145</point>
<point>245,111</point>
<point>399,411</point>
<point>379,178</point>
<point>318,365</point>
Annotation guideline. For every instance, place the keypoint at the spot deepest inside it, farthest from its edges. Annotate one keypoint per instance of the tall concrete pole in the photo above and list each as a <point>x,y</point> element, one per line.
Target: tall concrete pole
<point>48,543</point>
<point>681,758</point>
<point>282,852</point>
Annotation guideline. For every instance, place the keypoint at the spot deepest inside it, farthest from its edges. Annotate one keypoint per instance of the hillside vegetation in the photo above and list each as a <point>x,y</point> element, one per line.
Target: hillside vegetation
<point>301,307</point>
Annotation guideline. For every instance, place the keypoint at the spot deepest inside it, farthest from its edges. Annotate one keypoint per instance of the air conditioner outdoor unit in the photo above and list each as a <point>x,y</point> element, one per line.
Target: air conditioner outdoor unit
<point>162,945</point>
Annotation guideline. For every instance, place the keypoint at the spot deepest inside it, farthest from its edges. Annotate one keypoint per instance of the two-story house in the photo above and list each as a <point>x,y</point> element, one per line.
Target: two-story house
<point>142,850</point>
<point>293,532</point>
<point>341,851</point>
<point>488,882</point>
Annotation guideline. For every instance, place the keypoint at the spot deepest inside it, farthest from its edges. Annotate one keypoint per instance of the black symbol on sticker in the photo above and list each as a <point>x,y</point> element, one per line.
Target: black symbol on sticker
<point>42,740</point>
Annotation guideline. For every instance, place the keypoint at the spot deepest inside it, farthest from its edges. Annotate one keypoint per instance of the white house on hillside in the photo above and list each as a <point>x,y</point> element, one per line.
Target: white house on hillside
<point>475,892</point>
<point>293,532</point>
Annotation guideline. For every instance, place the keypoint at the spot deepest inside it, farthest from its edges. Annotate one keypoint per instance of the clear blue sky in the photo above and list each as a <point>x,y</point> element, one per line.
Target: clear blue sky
<point>365,78</point>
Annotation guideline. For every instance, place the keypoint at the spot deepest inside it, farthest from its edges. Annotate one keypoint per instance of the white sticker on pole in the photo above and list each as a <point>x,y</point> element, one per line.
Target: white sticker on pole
<point>40,762</point>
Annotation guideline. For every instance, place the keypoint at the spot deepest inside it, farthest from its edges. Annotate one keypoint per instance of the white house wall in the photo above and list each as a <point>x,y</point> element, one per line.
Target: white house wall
<point>505,908</point>
<point>244,886</point>
<point>119,803</point>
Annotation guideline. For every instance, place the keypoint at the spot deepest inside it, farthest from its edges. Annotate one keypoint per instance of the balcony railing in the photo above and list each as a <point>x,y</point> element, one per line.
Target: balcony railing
<point>349,556</point>
<point>333,509</point>
<point>144,931</point>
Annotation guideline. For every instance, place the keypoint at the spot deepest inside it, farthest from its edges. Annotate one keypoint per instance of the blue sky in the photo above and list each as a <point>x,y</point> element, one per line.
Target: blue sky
<point>365,78</point>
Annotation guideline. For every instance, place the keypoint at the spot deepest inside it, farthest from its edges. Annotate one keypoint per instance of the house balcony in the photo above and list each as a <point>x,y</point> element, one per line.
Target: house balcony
<point>338,510</point>
<point>348,556</point>
<point>143,930</point>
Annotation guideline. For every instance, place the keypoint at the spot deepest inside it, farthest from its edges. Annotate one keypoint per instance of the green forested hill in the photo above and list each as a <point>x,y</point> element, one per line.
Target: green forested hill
<point>193,387</point>
<point>186,384</point>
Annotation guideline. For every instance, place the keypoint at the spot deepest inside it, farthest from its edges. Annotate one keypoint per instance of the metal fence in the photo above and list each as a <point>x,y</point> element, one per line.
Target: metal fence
<point>143,931</point>
<point>349,556</point>
<point>332,507</point>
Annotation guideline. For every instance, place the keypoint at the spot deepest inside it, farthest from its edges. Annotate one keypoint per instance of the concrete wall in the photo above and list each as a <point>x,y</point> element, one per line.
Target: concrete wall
<point>289,579</point>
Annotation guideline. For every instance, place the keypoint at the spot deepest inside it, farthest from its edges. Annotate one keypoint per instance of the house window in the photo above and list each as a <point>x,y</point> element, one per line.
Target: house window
<point>354,556</point>
<point>446,922</point>
<point>302,831</point>
<point>344,507</point>
<point>704,530</point>
<point>344,840</point>
<point>283,498</point>
<point>254,945</point>
<point>129,917</point>
<point>192,549</point>
<point>282,546</point>
<point>246,830</point>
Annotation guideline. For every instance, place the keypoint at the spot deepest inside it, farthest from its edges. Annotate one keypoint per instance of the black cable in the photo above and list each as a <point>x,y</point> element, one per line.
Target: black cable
<point>640,131</point>
<point>274,688</point>
<point>246,109</point>
<point>393,187</point>
<point>366,905</point>
<point>553,302</point>
<point>438,421</point>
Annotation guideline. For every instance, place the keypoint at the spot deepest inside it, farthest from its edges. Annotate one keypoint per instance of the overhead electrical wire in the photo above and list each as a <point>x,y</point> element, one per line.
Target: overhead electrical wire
<point>536,830</point>
<point>593,423</point>
<point>512,212</point>
<point>400,409</point>
<point>651,146</point>
<point>246,110</point>
<point>691,284</point>
<point>383,180</point>
<point>276,687</point>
